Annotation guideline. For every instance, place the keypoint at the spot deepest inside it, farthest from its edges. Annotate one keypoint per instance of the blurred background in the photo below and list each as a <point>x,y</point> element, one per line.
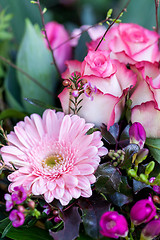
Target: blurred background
<point>19,42</point>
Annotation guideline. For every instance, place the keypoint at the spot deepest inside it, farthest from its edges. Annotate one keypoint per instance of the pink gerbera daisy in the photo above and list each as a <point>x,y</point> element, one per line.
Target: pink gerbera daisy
<point>54,156</point>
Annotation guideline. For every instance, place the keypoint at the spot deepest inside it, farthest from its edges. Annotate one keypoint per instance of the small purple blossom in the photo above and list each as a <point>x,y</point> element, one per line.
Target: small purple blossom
<point>113,225</point>
<point>47,209</point>
<point>143,211</point>
<point>9,202</point>
<point>156,188</point>
<point>151,230</point>
<point>19,195</point>
<point>89,91</point>
<point>17,218</point>
<point>137,134</point>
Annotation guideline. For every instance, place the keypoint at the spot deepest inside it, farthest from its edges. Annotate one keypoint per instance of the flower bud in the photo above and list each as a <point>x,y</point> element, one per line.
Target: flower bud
<point>31,204</point>
<point>75,93</point>
<point>151,230</point>
<point>113,225</point>
<point>137,134</point>
<point>149,167</point>
<point>57,219</point>
<point>143,211</point>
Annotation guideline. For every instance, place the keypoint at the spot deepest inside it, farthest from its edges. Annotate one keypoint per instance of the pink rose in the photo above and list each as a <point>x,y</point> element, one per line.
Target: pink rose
<point>56,35</point>
<point>111,80</point>
<point>131,43</point>
<point>146,98</point>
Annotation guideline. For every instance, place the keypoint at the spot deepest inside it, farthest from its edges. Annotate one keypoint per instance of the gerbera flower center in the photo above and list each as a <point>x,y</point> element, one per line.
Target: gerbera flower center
<point>53,160</point>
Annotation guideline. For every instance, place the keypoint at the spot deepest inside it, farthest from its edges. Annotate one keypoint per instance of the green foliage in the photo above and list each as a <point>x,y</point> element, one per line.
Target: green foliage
<point>35,59</point>
<point>4,25</point>
<point>5,36</point>
<point>154,146</point>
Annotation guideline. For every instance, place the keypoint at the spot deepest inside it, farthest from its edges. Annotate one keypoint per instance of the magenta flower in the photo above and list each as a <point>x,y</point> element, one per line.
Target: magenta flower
<point>89,91</point>
<point>156,188</point>
<point>137,134</point>
<point>17,218</point>
<point>113,225</point>
<point>54,156</point>
<point>143,211</point>
<point>9,202</point>
<point>19,195</point>
<point>151,230</point>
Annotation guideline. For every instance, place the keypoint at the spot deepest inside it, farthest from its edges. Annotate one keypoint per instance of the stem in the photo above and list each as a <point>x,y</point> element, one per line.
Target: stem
<point>49,45</point>
<point>156,7</point>
<point>79,34</point>
<point>123,10</point>
<point>26,74</point>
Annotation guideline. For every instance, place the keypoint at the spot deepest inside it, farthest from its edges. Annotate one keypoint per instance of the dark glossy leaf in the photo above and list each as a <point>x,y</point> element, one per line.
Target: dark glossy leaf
<point>108,179</point>
<point>114,130</point>
<point>154,147</point>
<point>124,187</point>
<point>11,113</point>
<point>72,222</point>
<point>41,104</point>
<point>81,49</point>
<point>125,133</point>
<point>138,186</point>
<point>120,199</point>
<point>93,208</point>
<point>130,150</point>
<point>108,137</point>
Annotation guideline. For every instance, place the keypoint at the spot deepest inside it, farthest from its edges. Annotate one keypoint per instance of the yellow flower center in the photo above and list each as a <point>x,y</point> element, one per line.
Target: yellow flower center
<point>52,160</point>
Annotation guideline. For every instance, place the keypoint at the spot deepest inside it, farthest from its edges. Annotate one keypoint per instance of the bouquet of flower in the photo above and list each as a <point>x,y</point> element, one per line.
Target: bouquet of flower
<point>88,168</point>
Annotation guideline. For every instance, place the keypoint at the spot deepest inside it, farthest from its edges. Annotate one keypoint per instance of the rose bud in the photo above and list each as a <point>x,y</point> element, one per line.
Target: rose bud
<point>113,225</point>
<point>143,211</point>
<point>137,134</point>
<point>151,230</point>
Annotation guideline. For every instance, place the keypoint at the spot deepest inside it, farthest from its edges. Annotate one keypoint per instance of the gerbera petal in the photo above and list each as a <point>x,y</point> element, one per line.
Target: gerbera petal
<point>85,169</point>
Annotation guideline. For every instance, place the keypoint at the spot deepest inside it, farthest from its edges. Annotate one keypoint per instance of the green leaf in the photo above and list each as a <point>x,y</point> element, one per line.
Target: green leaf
<point>11,113</point>
<point>154,146</point>
<point>35,59</point>
<point>109,13</point>
<point>6,230</point>
<point>12,90</point>
<point>41,104</point>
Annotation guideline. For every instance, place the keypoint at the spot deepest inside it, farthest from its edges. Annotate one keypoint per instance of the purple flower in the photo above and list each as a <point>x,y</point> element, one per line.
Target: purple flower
<point>113,225</point>
<point>151,230</point>
<point>47,209</point>
<point>89,91</point>
<point>137,134</point>
<point>17,218</point>
<point>19,195</point>
<point>143,211</point>
<point>156,188</point>
<point>9,202</point>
